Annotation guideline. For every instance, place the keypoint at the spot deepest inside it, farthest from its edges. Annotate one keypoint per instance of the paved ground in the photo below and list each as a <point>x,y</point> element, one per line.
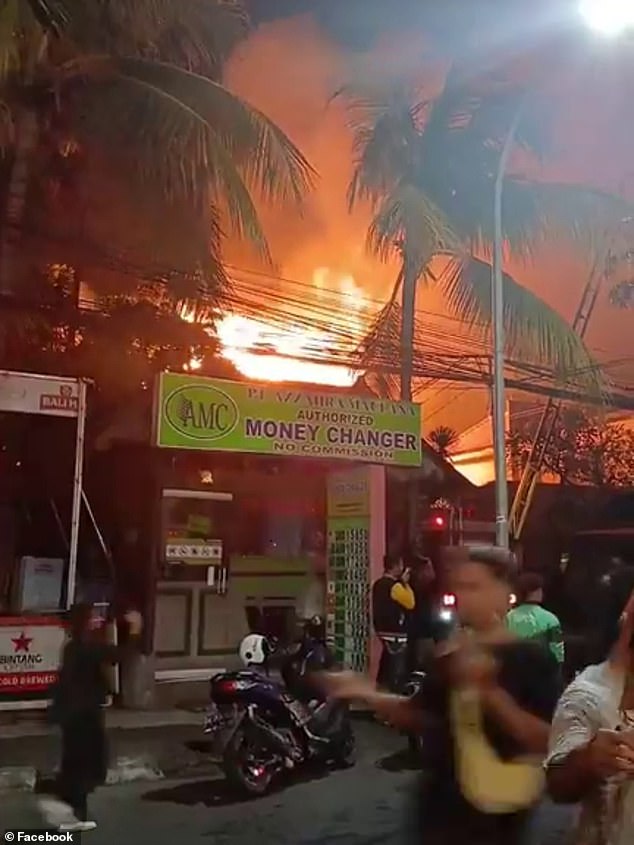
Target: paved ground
<point>163,749</point>
<point>365,805</point>
<point>17,725</point>
<point>141,743</point>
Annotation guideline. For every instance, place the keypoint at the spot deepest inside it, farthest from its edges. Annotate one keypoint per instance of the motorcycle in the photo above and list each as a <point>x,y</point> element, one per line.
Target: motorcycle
<point>261,727</point>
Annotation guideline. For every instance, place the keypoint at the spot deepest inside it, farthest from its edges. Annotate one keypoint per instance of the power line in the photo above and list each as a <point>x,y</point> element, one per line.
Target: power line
<point>441,352</point>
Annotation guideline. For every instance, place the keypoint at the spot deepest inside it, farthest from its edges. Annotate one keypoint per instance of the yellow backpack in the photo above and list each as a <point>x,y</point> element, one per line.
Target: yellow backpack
<point>489,783</point>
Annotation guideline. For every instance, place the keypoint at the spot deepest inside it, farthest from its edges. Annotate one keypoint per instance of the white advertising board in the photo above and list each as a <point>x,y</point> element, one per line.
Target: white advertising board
<point>24,393</point>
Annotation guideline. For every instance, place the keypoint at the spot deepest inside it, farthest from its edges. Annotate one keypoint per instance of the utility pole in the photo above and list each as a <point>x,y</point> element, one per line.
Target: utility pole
<point>497,305</point>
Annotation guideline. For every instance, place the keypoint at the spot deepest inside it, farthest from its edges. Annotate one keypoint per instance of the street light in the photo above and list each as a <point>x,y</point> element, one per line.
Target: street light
<point>609,17</point>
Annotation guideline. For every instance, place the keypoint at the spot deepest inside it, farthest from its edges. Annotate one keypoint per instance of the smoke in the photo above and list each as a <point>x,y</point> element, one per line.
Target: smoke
<point>291,71</point>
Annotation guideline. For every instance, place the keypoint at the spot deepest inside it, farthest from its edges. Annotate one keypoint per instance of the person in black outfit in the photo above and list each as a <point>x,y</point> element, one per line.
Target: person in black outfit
<point>420,624</point>
<point>78,701</point>
<point>392,603</point>
<point>515,683</point>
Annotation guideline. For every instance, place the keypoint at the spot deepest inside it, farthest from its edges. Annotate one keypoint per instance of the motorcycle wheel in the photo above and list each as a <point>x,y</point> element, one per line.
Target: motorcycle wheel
<point>242,770</point>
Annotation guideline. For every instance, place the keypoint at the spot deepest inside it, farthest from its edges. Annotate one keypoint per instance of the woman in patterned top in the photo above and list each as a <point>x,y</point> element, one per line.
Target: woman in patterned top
<point>591,755</point>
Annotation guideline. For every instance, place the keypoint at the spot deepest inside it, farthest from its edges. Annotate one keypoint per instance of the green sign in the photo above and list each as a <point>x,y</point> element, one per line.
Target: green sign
<point>215,415</point>
<point>349,515</point>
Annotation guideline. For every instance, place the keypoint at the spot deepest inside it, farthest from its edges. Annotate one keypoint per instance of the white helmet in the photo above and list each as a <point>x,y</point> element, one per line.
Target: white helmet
<point>254,650</point>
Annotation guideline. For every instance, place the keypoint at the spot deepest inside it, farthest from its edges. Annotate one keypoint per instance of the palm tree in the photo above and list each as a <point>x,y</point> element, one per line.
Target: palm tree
<point>140,81</point>
<point>428,170</point>
<point>442,439</point>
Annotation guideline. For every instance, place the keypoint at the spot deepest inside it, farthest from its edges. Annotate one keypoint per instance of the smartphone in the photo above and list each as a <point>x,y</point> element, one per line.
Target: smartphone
<point>627,735</point>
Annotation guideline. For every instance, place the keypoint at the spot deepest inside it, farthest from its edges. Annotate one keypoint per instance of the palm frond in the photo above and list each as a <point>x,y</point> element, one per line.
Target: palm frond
<point>383,383</point>
<point>429,171</point>
<point>385,137</point>
<point>119,27</point>
<point>267,156</point>
<point>536,212</point>
<point>197,35</point>
<point>534,330</point>
<point>202,35</point>
<point>192,135</point>
<point>19,28</point>
<point>52,15</point>
<point>479,111</point>
<point>408,219</point>
<point>384,331</point>
<point>383,340</point>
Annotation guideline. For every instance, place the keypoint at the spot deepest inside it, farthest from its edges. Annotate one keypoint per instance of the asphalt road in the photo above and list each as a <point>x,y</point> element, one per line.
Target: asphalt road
<point>363,805</point>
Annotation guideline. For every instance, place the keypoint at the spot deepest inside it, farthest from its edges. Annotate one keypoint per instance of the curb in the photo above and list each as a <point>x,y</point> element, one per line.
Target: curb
<point>125,770</point>
<point>18,777</point>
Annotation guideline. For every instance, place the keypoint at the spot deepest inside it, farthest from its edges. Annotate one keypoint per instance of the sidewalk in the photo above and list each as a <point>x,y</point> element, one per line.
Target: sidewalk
<point>144,745</point>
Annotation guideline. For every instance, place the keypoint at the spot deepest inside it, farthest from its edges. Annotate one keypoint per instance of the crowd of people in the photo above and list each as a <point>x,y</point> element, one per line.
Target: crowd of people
<point>497,731</point>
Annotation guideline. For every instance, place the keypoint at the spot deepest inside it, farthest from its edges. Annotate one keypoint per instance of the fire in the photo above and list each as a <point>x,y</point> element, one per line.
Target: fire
<point>265,350</point>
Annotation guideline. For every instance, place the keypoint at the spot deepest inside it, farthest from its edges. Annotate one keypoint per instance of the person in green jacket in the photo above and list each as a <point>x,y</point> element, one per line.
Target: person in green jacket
<point>528,620</point>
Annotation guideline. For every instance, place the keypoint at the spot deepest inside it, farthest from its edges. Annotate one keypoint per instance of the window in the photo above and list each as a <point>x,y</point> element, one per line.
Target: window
<point>274,621</point>
<point>194,532</point>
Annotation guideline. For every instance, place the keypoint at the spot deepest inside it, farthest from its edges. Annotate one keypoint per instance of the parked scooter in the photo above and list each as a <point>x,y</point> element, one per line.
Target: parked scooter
<point>261,726</point>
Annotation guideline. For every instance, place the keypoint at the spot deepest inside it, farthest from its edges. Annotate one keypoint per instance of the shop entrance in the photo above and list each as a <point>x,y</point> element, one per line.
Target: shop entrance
<point>193,573</point>
<point>299,464</point>
<point>42,421</point>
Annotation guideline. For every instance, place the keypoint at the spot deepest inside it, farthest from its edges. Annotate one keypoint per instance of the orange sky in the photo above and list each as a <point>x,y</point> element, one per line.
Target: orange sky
<point>289,70</point>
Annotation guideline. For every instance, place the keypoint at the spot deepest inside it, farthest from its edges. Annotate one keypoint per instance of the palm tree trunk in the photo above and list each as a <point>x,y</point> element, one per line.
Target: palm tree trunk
<point>26,140</point>
<point>408,305</point>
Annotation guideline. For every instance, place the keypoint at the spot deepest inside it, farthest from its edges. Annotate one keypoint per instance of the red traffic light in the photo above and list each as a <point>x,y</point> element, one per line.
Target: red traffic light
<point>439,521</point>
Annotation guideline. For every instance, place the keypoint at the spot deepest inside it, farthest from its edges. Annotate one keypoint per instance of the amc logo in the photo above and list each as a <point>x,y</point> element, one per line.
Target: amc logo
<point>201,412</point>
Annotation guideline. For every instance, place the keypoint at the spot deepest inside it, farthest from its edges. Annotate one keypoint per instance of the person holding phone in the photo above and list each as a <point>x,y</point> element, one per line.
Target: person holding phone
<point>420,635</point>
<point>591,754</point>
<point>78,701</point>
<point>392,603</point>
<point>483,714</point>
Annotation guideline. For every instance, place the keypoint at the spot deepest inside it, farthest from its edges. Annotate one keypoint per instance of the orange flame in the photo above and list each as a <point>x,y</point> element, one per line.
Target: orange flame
<point>264,351</point>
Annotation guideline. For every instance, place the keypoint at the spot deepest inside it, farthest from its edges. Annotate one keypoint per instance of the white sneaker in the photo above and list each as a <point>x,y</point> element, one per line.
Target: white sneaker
<point>77,826</point>
<point>88,825</point>
<point>55,812</point>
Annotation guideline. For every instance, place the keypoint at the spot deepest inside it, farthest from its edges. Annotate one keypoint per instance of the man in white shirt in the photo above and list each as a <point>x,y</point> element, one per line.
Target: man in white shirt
<point>591,754</point>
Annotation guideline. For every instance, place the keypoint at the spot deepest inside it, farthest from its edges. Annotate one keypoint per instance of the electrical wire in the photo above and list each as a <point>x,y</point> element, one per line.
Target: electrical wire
<point>333,325</point>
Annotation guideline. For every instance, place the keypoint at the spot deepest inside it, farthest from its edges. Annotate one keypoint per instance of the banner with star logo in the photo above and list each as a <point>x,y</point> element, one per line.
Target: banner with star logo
<point>30,649</point>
